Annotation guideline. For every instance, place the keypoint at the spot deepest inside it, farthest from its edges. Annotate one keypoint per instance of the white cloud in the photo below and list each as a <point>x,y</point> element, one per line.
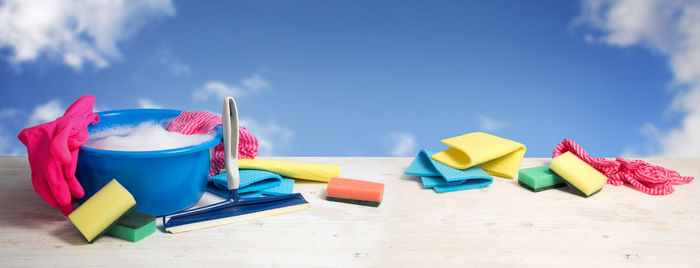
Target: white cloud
<point>402,144</point>
<point>9,145</point>
<point>75,31</point>
<point>217,90</point>
<point>8,113</point>
<point>255,83</point>
<point>174,64</point>
<point>272,137</point>
<point>671,28</point>
<point>489,124</point>
<point>99,108</point>
<point>46,112</point>
<point>220,90</point>
<point>145,103</point>
<point>6,148</point>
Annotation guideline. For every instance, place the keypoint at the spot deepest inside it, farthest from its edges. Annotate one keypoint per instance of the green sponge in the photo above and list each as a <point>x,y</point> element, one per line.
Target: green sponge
<point>353,201</point>
<point>539,178</point>
<point>134,226</point>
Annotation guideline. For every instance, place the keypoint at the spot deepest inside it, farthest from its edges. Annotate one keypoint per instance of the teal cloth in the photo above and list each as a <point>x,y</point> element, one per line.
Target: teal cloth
<point>253,183</point>
<point>442,178</point>
<point>286,187</point>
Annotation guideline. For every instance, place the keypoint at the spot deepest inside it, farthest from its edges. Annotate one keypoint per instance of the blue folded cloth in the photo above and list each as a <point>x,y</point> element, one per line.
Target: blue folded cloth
<point>286,187</point>
<point>253,183</point>
<point>443,178</point>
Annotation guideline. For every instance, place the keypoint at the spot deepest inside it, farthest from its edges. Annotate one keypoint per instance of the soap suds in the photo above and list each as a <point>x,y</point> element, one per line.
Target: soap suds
<point>147,136</point>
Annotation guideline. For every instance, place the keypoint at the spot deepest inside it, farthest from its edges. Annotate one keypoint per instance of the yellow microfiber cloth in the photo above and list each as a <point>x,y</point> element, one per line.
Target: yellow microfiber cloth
<point>296,170</point>
<point>578,174</point>
<point>495,155</point>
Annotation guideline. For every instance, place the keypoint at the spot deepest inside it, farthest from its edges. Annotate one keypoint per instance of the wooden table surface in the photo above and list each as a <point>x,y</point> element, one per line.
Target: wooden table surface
<point>501,225</point>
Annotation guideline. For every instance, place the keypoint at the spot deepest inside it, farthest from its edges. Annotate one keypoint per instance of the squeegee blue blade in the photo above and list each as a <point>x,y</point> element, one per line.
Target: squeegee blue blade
<point>231,211</point>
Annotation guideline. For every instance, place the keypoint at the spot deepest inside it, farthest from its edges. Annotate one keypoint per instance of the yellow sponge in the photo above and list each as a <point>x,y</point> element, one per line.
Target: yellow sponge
<point>102,210</point>
<point>578,174</point>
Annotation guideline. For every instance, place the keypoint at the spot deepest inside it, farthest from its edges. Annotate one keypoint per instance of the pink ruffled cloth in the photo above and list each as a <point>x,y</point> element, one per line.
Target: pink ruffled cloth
<point>650,179</point>
<point>199,122</point>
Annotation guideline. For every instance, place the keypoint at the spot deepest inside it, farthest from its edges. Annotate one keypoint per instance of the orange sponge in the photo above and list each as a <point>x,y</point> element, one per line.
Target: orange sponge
<point>355,191</point>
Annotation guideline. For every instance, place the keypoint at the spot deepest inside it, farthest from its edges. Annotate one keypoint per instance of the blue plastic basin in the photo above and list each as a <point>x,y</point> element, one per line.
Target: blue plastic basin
<point>162,182</point>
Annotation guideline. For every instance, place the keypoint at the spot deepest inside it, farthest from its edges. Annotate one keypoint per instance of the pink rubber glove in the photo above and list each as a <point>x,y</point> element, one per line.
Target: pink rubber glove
<point>52,149</point>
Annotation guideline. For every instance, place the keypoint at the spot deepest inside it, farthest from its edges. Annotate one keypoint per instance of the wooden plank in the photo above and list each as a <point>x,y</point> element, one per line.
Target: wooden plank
<point>501,225</point>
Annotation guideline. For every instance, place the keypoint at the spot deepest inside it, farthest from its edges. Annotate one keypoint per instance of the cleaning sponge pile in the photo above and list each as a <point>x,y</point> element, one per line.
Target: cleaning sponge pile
<point>94,217</point>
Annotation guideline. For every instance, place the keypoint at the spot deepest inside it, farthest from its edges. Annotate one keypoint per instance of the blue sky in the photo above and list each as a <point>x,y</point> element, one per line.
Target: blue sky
<point>371,78</point>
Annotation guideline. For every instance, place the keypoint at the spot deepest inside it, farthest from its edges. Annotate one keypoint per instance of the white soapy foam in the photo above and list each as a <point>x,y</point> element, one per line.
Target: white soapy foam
<point>147,136</point>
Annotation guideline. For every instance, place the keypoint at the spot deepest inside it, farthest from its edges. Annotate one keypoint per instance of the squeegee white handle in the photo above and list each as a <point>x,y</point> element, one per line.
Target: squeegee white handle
<point>229,118</point>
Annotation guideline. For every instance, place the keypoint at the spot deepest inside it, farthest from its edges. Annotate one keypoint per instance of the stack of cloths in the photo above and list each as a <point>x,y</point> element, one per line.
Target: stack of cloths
<point>443,178</point>
<point>271,177</point>
<point>468,163</point>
